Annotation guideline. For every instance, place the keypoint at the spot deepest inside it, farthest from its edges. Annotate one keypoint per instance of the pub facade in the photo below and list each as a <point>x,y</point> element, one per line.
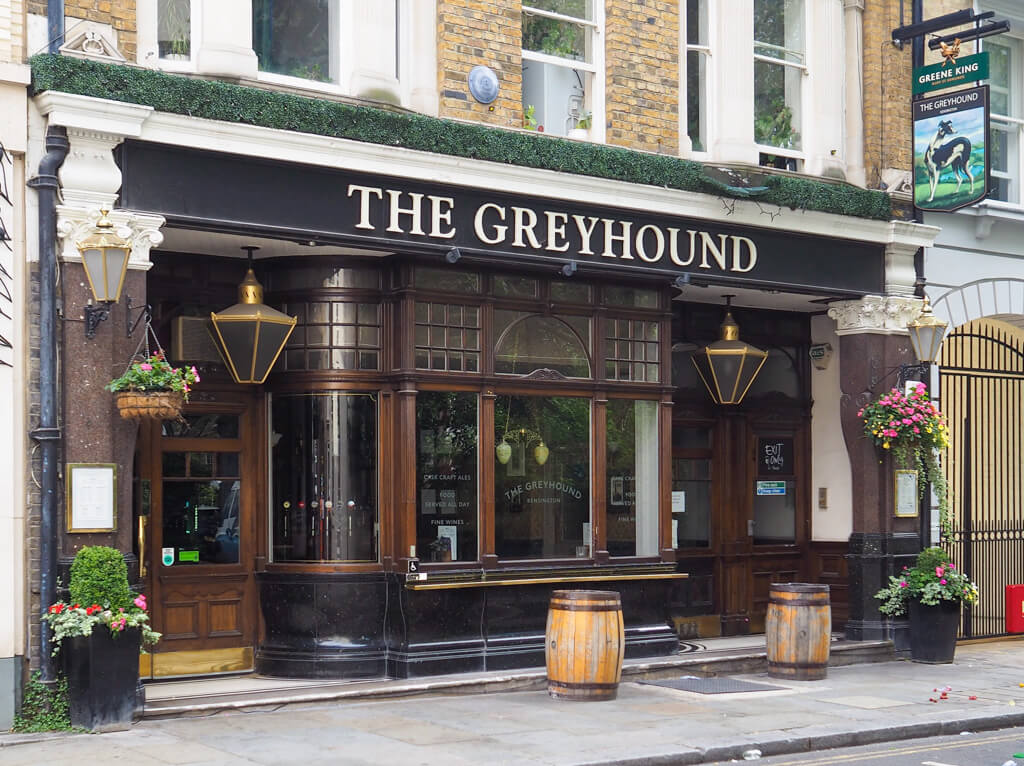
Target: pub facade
<point>489,392</point>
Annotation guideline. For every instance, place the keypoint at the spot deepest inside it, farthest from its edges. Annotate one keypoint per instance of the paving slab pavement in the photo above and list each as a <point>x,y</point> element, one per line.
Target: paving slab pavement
<point>646,725</point>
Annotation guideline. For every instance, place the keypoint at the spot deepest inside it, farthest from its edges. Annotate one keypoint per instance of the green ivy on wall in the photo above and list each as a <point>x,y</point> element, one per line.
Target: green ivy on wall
<point>215,100</point>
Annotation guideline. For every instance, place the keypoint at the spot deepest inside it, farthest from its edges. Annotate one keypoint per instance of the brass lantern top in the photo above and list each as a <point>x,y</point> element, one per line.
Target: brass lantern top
<point>103,235</point>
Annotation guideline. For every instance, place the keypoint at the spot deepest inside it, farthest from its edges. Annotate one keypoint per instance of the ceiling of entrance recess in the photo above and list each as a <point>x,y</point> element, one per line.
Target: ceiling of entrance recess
<point>230,246</point>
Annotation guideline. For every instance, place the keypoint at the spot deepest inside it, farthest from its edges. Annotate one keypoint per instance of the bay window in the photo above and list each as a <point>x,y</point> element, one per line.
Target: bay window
<point>561,77</point>
<point>779,68</point>
<point>698,59</point>
<point>298,38</point>
<point>1006,88</point>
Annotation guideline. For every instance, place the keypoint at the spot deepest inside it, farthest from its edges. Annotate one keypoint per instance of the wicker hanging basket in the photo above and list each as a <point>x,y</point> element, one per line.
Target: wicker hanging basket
<point>149,405</point>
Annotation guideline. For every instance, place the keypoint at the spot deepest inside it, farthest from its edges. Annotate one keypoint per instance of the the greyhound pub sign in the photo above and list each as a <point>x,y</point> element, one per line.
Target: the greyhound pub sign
<point>951,157</point>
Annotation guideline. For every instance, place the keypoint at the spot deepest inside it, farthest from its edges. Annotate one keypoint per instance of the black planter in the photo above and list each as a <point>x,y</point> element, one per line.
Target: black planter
<point>103,676</point>
<point>933,631</point>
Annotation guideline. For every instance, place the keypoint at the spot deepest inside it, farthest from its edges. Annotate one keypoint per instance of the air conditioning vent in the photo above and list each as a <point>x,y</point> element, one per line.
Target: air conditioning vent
<point>191,340</point>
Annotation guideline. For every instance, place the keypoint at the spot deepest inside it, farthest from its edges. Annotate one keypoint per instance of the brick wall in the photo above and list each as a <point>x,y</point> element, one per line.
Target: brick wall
<point>480,32</point>
<point>887,83</point>
<point>12,28</point>
<point>886,92</point>
<point>120,14</point>
<point>642,67</point>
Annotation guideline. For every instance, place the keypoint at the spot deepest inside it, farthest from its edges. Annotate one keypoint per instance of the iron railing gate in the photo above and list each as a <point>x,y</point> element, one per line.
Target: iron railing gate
<point>981,382</point>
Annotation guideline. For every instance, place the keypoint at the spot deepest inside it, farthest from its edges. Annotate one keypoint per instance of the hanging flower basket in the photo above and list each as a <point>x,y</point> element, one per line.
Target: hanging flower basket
<point>149,405</point>
<point>911,428</point>
<point>152,389</point>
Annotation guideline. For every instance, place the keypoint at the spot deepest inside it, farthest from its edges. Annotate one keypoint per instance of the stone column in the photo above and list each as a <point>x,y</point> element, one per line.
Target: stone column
<point>853,23</point>
<point>90,179</point>
<point>225,48</point>
<point>873,344</point>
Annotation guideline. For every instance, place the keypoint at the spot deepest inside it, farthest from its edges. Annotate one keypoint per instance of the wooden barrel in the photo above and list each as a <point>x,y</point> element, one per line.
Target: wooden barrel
<point>798,630</point>
<point>584,644</point>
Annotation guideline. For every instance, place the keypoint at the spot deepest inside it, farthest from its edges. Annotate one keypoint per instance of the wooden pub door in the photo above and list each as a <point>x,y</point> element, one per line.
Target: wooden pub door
<point>199,484</point>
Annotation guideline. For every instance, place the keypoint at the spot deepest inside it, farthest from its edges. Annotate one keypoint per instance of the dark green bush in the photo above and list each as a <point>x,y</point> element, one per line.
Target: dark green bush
<point>100,576</point>
<point>227,102</point>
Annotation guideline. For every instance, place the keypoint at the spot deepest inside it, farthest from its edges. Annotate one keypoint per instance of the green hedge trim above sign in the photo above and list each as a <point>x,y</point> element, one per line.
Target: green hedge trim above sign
<point>215,100</point>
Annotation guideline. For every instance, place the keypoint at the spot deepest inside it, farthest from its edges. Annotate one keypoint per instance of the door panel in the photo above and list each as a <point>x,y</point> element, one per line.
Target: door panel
<point>203,475</point>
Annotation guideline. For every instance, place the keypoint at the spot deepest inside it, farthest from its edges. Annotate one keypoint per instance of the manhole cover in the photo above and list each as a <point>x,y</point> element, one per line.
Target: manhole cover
<point>713,685</point>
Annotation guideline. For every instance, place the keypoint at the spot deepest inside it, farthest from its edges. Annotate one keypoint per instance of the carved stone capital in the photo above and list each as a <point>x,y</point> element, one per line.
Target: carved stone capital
<point>141,230</point>
<point>884,315</point>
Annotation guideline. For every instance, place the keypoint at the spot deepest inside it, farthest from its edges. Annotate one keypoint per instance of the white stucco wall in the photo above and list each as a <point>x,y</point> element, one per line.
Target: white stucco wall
<point>830,463</point>
<point>13,383</point>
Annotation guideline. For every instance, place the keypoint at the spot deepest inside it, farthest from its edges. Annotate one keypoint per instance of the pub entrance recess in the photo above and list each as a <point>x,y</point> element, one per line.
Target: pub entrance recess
<point>982,387</point>
<point>198,480</point>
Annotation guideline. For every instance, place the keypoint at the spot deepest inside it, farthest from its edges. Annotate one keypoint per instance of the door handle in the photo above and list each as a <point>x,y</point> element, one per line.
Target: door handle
<point>143,553</point>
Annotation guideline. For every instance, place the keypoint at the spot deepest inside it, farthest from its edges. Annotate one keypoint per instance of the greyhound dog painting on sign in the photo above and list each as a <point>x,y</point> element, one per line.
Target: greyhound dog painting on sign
<point>951,160</point>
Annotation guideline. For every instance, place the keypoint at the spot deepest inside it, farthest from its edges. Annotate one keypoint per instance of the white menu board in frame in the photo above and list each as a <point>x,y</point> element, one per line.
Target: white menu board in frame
<point>91,497</point>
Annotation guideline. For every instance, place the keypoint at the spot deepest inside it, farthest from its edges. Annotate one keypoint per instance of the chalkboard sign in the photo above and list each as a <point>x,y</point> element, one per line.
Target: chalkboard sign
<point>775,456</point>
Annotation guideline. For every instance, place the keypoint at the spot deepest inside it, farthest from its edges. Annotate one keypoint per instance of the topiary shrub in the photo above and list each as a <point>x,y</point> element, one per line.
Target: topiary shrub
<point>100,576</point>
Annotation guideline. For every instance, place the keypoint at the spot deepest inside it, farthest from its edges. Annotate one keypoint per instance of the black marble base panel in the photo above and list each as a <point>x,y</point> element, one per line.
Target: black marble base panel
<point>371,625</point>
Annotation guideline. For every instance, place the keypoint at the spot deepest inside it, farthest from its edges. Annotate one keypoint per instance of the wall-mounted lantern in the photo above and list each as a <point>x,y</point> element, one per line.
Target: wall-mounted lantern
<point>105,259</point>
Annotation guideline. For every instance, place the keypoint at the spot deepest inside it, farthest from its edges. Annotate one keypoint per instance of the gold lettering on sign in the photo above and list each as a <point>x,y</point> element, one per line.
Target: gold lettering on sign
<point>499,231</point>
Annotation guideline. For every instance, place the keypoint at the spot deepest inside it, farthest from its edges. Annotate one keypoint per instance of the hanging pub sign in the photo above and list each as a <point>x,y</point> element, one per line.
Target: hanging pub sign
<point>951,73</point>
<point>951,157</point>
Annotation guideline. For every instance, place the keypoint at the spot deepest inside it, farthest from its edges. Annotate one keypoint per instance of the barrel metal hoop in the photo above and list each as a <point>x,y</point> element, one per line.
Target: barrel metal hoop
<point>585,607</point>
<point>797,601</point>
<point>594,685</point>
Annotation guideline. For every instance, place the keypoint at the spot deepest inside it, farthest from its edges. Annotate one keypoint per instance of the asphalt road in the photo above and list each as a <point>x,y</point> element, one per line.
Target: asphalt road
<point>994,748</point>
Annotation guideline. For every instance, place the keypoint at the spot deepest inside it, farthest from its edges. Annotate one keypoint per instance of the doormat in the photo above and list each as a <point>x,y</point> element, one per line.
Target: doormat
<point>713,685</point>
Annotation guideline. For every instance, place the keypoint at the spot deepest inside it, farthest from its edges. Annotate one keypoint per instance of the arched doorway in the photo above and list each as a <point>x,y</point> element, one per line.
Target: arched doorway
<point>982,392</point>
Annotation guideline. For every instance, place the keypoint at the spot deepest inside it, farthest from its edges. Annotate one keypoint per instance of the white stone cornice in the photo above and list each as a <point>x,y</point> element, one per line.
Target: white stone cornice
<point>364,157</point>
<point>141,230</point>
<point>883,315</point>
<point>99,115</point>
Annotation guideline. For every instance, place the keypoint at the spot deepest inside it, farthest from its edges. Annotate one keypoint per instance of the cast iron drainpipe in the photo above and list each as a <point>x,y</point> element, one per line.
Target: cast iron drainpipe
<point>47,433</point>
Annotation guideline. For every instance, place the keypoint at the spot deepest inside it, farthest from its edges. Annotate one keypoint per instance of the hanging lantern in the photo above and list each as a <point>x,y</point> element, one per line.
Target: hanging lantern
<point>540,453</point>
<point>728,366</point>
<point>503,451</point>
<point>251,335</point>
<point>926,334</point>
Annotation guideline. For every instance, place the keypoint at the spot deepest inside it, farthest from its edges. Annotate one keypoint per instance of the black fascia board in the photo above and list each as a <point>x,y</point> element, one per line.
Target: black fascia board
<point>910,31</point>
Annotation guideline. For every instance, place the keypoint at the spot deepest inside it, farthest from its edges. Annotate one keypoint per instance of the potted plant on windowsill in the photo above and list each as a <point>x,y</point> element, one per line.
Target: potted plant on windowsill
<point>931,592</point>
<point>582,127</point>
<point>98,634</point>
<point>152,388</point>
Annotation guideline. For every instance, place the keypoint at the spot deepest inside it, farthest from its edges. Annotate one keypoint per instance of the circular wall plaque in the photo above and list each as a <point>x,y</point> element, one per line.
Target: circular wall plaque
<point>483,84</point>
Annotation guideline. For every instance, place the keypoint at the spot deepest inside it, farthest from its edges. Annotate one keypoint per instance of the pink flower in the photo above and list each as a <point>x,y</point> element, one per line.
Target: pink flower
<point>145,366</point>
<point>917,430</point>
<point>938,571</point>
<point>942,581</point>
<point>903,583</point>
<point>140,602</point>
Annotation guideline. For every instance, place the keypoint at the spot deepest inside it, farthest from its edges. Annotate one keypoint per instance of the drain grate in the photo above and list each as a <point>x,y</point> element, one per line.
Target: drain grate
<point>713,685</point>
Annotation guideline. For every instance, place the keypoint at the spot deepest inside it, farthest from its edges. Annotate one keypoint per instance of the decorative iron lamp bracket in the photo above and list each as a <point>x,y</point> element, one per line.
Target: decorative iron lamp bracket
<point>95,313</point>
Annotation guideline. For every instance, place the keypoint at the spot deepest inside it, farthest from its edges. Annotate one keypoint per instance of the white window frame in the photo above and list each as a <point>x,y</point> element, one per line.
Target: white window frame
<point>802,67</point>
<point>593,97</point>
<point>1012,123</point>
<point>148,48</point>
<point>410,78</point>
<point>706,51</point>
